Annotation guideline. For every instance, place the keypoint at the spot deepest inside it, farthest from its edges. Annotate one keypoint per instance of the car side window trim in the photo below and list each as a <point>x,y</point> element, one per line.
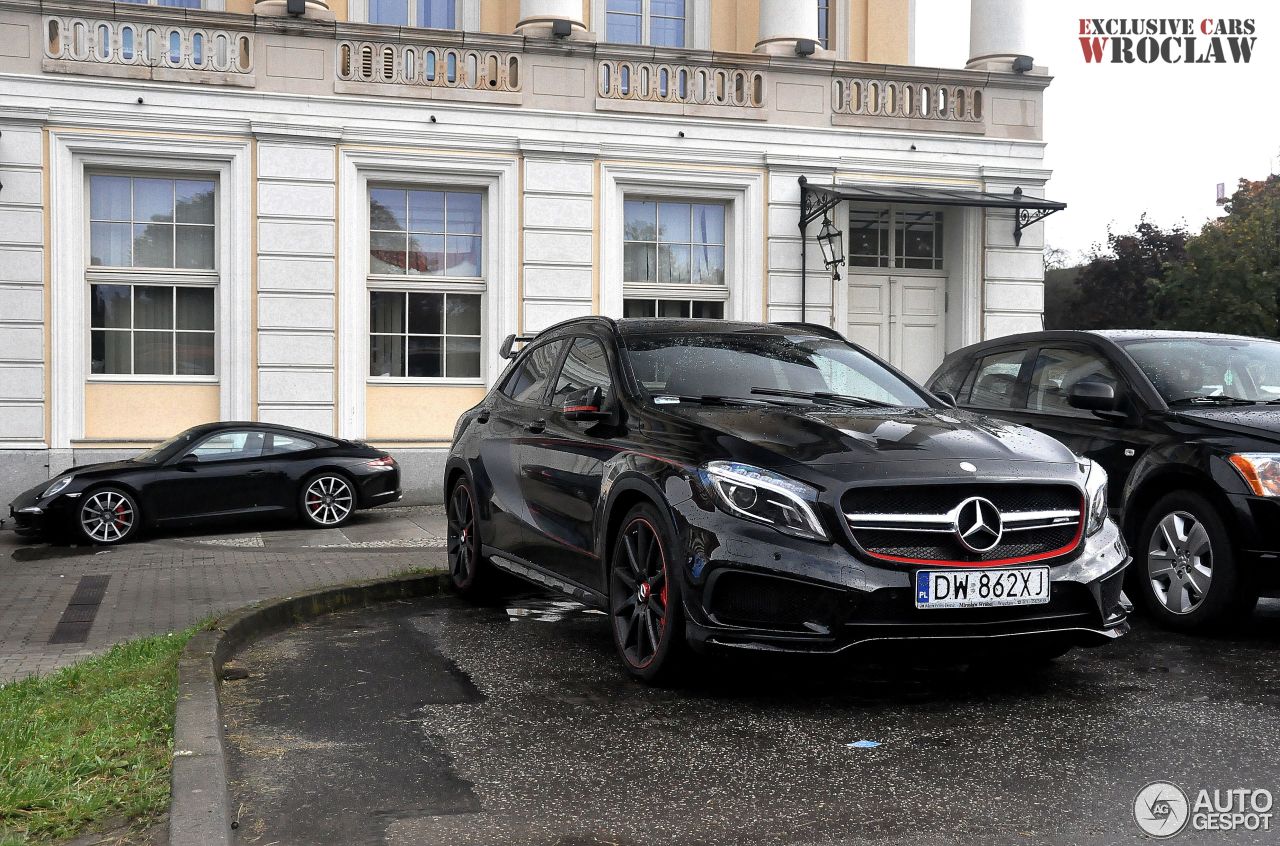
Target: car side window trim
<point>609,364</point>
<point>552,373</point>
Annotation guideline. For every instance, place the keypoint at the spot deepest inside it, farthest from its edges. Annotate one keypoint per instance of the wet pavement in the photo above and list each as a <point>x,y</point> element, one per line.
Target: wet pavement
<point>437,722</point>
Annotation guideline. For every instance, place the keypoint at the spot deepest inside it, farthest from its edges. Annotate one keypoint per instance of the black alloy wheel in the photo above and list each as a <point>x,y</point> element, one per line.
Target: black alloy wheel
<point>463,541</point>
<point>644,598</point>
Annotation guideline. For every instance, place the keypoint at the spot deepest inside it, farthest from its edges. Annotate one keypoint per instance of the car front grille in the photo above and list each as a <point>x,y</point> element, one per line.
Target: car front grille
<point>918,524</point>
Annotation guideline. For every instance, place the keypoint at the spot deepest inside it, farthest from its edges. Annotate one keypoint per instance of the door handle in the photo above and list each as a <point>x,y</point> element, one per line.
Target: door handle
<point>536,427</point>
<point>256,473</point>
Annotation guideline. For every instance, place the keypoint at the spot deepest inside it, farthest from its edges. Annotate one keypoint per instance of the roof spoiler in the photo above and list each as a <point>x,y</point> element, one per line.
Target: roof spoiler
<point>505,350</point>
<point>815,328</point>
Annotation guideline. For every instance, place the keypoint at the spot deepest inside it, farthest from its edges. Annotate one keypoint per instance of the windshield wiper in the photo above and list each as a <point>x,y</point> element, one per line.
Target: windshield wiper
<point>1212,400</point>
<point>828,396</point>
<point>717,399</point>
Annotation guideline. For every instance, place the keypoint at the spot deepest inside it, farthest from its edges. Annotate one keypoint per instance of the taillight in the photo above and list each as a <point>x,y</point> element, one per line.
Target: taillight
<point>385,461</point>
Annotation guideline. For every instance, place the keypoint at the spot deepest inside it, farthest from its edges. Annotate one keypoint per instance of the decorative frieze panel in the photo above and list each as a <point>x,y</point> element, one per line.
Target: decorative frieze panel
<point>866,97</point>
<point>129,44</point>
<point>686,84</point>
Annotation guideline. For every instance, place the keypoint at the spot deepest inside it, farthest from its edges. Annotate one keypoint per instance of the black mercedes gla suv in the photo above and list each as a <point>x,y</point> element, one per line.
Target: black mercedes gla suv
<point>742,486</point>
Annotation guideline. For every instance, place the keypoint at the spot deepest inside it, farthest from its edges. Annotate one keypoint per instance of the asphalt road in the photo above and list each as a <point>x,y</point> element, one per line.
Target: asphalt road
<point>433,722</point>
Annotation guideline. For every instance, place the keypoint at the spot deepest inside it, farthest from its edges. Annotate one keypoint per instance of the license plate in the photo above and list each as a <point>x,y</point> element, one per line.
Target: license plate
<point>981,588</point>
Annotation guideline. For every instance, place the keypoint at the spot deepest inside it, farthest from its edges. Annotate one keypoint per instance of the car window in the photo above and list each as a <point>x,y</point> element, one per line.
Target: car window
<point>1057,371</point>
<point>529,381</point>
<point>586,366</point>
<point>994,380</point>
<point>229,446</point>
<point>1182,369</point>
<point>950,376</point>
<point>281,444</point>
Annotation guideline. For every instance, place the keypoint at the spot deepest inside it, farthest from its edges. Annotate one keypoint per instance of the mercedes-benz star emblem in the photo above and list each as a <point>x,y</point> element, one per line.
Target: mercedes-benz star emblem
<point>978,526</point>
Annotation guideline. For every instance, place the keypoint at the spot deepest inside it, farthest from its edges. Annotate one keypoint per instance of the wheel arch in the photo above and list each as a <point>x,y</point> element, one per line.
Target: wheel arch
<point>625,494</point>
<point>1166,481</point>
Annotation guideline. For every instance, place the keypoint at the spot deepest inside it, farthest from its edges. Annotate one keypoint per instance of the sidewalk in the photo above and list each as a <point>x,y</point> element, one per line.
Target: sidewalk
<point>168,582</point>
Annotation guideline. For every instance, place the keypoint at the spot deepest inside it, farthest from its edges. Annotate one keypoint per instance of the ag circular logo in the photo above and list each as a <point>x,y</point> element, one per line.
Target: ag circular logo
<point>978,525</point>
<point>1161,809</point>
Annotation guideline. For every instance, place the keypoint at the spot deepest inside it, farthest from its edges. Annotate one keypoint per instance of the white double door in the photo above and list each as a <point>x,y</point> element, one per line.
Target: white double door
<point>900,316</point>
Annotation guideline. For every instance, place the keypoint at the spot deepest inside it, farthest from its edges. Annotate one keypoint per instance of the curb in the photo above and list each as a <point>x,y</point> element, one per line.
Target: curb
<point>199,804</point>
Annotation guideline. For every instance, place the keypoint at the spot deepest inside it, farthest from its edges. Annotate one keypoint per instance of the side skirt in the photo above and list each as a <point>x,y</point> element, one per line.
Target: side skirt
<point>531,572</point>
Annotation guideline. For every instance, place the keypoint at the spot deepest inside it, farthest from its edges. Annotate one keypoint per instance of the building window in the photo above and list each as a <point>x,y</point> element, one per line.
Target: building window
<point>160,330</point>
<point>151,222</point>
<point>151,276</point>
<point>824,24</point>
<point>425,233</point>
<point>424,335</point>
<point>658,23</point>
<point>426,283</point>
<point>434,14</point>
<point>637,307</point>
<point>911,240</point>
<point>673,258</point>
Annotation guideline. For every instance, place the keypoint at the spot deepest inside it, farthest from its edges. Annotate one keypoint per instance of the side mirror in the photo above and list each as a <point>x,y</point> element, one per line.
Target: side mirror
<point>948,398</point>
<point>586,404</point>
<point>189,460</point>
<point>1093,396</point>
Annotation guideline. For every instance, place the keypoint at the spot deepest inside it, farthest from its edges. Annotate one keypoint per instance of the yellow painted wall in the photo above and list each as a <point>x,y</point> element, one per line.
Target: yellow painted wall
<point>136,411</point>
<point>414,412</point>
<point>500,16</point>
<point>879,31</point>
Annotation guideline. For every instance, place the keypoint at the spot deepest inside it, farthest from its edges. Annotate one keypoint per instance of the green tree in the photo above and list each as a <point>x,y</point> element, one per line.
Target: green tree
<point>1116,288</point>
<point>1230,280</point>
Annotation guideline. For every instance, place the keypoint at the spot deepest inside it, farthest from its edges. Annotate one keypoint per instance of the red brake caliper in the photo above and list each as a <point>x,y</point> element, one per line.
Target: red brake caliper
<point>119,514</point>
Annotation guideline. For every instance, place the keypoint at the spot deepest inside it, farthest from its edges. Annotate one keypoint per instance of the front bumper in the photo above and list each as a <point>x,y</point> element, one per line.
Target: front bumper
<point>749,587</point>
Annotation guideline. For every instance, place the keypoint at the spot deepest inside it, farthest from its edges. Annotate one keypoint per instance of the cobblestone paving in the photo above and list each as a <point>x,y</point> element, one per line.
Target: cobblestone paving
<point>168,582</point>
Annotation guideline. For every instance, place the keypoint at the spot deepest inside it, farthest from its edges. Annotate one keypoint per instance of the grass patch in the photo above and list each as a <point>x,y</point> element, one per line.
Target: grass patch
<point>89,744</point>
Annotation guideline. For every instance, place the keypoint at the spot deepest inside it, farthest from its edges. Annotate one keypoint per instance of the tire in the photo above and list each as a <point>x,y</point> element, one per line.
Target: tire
<point>107,516</point>
<point>646,610</point>
<point>327,500</point>
<point>1185,574</point>
<point>469,574</point>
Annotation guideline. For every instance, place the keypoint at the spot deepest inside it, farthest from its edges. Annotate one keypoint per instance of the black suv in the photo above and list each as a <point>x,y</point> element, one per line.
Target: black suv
<point>1187,426</point>
<point>774,487</point>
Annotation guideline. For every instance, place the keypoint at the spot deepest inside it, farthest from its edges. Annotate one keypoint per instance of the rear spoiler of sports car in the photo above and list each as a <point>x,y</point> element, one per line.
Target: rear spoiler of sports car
<point>506,350</point>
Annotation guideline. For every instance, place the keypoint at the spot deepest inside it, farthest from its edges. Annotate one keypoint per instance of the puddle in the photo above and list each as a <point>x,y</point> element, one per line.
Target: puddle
<point>543,610</point>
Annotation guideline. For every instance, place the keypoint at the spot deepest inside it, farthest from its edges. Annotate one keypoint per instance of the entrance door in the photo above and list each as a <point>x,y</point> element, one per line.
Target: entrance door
<point>900,317</point>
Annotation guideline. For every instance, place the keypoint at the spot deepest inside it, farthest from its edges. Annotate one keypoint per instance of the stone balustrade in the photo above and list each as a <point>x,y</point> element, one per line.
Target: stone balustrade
<point>132,44</point>
<point>689,84</point>
<point>392,63</point>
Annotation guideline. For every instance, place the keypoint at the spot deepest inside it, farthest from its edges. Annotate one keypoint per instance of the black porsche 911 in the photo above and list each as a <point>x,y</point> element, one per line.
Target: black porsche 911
<point>209,472</point>
<point>740,486</point>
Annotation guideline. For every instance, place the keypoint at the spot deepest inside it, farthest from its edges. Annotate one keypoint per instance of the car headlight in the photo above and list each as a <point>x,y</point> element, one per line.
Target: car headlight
<point>1261,471</point>
<point>58,486</point>
<point>1095,495</point>
<point>765,497</point>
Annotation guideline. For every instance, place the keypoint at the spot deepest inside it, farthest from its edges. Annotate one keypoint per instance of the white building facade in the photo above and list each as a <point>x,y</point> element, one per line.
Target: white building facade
<point>328,223</point>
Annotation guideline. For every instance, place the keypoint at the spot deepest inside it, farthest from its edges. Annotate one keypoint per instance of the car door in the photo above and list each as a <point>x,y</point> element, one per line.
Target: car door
<point>1116,441</point>
<point>564,468</point>
<point>517,411</point>
<point>217,476</point>
<point>287,457</point>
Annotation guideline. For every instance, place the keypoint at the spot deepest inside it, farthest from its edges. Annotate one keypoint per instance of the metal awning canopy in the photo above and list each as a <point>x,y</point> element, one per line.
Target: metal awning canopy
<point>816,201</point>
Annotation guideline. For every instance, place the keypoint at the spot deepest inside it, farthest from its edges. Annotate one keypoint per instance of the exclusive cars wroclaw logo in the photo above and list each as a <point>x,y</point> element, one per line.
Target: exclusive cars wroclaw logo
<point>1161,809</point>
<point>1127,41</point>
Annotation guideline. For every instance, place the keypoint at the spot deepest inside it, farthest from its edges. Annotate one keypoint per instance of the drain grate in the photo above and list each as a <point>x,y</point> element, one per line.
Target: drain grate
<point>77,617</point>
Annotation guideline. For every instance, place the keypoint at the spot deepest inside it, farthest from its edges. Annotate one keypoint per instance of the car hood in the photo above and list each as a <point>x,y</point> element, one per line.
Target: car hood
<point>836,436</point>
<point>1258,421</point>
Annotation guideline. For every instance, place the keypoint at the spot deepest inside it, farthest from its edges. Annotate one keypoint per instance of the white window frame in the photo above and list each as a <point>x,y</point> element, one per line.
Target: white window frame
<point>697,24</point>
<point>676,291</point>
<point>743,196</point>
<point>466,13</point>
<point>74,155</point>
<point>495,177</point>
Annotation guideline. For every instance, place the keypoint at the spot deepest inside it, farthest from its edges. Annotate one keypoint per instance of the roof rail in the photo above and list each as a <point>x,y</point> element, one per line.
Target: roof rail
<point>815,328</point>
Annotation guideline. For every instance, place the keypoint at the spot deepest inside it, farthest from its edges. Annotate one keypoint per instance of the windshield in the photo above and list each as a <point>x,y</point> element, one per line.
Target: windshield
<point>162,451</point>
<point>1184,369</point>
<point>747,365</point>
